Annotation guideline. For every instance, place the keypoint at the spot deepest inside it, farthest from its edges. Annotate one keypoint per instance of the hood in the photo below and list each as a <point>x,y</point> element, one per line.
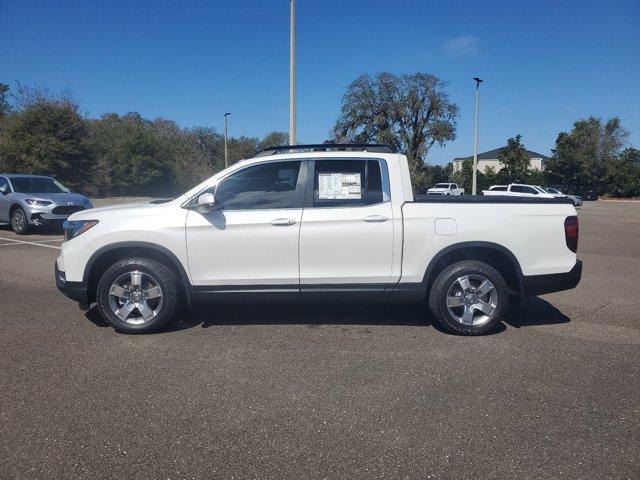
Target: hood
<point>57,198</point>
<point>115,210</point>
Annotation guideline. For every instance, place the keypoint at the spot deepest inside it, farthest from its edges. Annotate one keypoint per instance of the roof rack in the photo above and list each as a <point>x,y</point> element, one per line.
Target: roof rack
<point>325,147</point>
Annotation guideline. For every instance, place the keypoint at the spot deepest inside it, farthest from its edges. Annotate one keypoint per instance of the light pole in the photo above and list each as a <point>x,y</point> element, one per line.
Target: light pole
<point>292,74</point>
<point>475,137</point>
<point>226,150</point>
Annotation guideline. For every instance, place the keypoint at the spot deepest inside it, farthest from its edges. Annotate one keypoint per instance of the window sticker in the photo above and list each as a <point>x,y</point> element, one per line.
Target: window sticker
<point>339,186</point>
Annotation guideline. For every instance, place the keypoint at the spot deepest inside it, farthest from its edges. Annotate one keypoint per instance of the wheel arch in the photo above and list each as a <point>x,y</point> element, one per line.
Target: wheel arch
<point>495,255</point>
<point>13,207</point>
<point>106,256</point>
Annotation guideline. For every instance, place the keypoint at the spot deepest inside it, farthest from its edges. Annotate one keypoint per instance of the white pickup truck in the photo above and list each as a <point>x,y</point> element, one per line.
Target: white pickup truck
<point>318,222</point>
<point>445,189</point>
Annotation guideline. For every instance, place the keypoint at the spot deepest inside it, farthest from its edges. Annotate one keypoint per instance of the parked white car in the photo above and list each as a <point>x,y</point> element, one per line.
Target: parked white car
<point>576,199</point>
<point>319,222</point>
<point>445,189</point>
<point>518,190</point>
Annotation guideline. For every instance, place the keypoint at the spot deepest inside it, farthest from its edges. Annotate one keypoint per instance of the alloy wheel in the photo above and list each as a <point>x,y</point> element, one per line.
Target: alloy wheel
<point>18,220</point>
<point>135,297</point>
<point>472,299</point>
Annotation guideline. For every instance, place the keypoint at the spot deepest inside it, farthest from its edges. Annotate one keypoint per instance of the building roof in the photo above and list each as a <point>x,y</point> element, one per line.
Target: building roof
<point>495,153</point>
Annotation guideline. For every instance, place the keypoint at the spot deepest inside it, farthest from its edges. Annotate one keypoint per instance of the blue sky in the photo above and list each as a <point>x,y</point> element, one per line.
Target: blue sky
<point>546,63</point>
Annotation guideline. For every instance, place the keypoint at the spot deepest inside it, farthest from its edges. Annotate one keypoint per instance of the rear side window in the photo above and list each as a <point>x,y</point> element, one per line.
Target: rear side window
<point>272,185</point>
<point>518,189</point>
<point>347,182</point>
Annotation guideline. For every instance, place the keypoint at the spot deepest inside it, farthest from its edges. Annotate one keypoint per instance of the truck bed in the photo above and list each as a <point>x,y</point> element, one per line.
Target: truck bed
<point>487,199</point>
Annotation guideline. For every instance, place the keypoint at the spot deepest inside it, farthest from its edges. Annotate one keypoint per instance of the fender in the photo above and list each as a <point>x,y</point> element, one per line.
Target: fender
<point>184,278</point>
<point>479,244</point>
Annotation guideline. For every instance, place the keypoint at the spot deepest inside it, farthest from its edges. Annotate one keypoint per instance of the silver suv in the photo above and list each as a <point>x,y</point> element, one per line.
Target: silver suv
<point>28,201</point>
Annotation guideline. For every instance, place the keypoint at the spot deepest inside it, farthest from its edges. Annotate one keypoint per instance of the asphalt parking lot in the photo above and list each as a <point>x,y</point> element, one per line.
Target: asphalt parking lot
<point>326,391</point>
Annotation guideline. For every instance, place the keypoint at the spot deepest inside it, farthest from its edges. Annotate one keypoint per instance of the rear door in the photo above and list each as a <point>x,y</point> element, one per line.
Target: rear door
<point>250,240</point>
<point>346,236</point>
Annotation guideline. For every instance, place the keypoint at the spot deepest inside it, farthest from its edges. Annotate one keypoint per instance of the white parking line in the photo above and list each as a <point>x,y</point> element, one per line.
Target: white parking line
<point>18,242</point>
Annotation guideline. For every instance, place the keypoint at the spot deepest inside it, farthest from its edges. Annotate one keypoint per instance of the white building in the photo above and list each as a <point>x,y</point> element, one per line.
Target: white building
<point>491,159</point>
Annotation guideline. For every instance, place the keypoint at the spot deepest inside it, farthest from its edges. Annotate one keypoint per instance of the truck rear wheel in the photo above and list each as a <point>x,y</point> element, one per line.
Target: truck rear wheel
<point>469,298</point>
<point>137,295</point>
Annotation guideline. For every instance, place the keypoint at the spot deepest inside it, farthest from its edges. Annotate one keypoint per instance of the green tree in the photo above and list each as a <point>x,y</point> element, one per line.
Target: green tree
<point>274,139</point>
<point>536,177</point>
<point>5,107</point>
<point>130,157</point>
<point>46,135</point>
<point>515,162</point>
<point>487,178</point>
<point>464,176</point>
<point>623,176</point>
<point>411,113</point>
<point>583,156</point>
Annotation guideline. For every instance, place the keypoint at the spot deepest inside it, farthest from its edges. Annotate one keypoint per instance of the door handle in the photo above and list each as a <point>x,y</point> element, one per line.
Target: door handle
<point>282,222</point>
<point>375,218</point>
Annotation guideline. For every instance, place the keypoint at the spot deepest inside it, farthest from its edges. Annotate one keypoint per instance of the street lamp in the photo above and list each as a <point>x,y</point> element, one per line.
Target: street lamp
<point>226,150</point>
<point>292,74</point>
<point>475,137</point>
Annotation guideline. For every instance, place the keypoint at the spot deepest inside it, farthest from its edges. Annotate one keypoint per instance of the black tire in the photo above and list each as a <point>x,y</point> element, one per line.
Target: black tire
<point>448,279</point>
<point>159,273</point>
<point>19,222</point>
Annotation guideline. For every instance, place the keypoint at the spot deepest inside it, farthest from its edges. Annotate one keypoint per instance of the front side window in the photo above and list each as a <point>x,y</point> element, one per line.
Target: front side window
<point>347,182</point>
<point>4,183</point>
<point>518,189</point>
<point>268,186</point>
<point>37,185</point>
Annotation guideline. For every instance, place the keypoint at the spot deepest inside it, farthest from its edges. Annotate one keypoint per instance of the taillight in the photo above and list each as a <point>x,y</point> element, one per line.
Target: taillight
<point>571,233</point>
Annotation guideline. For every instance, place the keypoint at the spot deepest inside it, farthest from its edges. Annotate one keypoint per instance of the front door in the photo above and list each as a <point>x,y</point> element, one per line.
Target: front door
<point>250,240</point>
<point>5,200</point>
<point>346,237</point>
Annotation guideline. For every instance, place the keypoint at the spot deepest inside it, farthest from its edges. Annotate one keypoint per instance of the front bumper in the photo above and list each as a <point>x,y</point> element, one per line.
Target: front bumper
<point>39,216</point>
<point>556,282</point>
<point>74,290</point>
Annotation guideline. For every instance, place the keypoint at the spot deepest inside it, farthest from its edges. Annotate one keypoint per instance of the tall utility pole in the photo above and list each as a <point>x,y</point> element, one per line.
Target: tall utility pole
<point>292,74</point>
<point>475,138</point>
<point>226,150</point>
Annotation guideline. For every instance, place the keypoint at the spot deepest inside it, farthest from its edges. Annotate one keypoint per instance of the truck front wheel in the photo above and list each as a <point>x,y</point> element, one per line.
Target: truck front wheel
<point>468,298</point>
<point>137,295</point>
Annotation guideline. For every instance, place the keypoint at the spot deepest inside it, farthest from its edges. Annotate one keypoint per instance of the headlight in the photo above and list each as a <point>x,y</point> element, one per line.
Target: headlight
<point>37,203</point>
<point>77,227</point>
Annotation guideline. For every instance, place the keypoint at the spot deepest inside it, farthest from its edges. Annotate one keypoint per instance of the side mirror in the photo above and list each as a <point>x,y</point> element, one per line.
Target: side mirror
<point>205,202</point>
<point>4,190</point>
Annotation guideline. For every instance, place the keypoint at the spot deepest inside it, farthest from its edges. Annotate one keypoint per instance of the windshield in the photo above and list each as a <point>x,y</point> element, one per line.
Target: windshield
<point>540,189</point>
<point>37,185</point>
<point>441,185</point>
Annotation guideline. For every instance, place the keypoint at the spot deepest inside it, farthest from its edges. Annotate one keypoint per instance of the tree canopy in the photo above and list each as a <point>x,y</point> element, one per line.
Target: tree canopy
<point>115,154</point>
<point>515,162</point>
<point>583,156</point>
<point>409,112</point>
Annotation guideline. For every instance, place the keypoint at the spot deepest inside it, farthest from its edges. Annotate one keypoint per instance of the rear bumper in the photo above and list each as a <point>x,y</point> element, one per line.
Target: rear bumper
<point>555,282</point>
<point>74,290</point>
